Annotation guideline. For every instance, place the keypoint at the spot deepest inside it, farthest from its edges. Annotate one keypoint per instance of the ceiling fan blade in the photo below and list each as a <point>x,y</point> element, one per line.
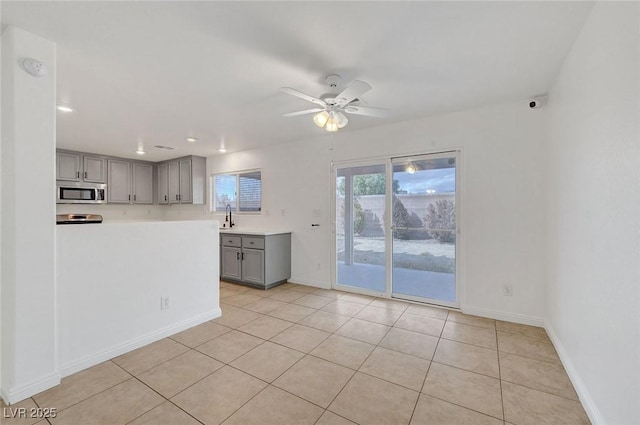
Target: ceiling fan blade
<point>355,90</point>
<point>304,96</point>
<point>367,110</point>
<point>306,111</point>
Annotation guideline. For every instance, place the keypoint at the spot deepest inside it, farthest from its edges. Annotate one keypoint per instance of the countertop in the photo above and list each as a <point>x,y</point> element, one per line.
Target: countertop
<point>252,231</point>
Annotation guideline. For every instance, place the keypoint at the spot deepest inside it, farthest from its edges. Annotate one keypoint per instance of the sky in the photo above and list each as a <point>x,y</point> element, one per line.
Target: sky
<point>441,179</point>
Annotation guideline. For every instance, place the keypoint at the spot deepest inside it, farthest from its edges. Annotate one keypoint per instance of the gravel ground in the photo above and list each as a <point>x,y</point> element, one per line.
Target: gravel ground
<point>376,244</point>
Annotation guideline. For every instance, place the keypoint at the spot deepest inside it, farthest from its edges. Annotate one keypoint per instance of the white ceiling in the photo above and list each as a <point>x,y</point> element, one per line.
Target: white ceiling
<point>148,73</point>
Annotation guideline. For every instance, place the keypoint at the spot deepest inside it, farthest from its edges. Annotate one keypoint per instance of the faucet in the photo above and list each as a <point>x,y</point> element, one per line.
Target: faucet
<point>227,216</point>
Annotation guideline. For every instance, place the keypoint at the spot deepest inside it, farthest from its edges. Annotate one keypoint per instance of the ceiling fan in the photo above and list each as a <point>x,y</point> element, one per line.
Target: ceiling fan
<point>330,107</point>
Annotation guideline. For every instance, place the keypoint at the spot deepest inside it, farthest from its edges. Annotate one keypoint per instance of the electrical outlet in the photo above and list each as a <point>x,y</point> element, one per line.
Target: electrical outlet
<point>164,303</point>
<point>507,290</point>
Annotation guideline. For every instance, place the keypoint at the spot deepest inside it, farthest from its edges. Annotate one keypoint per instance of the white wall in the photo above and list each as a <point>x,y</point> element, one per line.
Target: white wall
<point>28,327</point>
<point>503,197</point>
<point>593,289</point>
<point>111,278</point>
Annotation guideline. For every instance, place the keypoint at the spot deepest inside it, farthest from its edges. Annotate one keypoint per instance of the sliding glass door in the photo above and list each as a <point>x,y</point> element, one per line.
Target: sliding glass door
<point>360,236</point>
<point>396,228</point>
<point>424,229</point>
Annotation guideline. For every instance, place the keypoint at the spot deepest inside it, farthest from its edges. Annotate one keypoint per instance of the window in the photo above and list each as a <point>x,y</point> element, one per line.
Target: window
<point>241,191</point>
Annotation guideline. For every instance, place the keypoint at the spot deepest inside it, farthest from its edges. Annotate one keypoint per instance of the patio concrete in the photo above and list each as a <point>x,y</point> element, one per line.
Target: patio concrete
<point>417,283</point>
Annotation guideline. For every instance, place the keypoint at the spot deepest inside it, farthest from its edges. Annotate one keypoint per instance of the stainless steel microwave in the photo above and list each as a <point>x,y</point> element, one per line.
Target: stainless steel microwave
<point>81,193</point>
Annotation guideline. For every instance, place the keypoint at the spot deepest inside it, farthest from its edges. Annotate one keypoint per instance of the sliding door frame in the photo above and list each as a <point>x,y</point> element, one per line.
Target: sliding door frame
<point>460,219</point>
<point>430,156</point>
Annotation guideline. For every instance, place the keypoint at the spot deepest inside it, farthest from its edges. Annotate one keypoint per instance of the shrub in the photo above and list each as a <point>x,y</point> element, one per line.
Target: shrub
<point>441,215</point>
<point>401,218</point>
<point>358,218</point>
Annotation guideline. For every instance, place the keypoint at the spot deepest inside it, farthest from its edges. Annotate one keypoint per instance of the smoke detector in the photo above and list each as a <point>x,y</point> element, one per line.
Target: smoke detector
<point>34,67</point>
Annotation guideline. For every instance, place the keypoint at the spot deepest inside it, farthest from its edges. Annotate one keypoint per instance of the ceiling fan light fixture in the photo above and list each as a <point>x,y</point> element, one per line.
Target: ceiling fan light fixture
<point>342,120</point>
<point>332,122</point>
<point>321,119</point>
<point>331,127</point>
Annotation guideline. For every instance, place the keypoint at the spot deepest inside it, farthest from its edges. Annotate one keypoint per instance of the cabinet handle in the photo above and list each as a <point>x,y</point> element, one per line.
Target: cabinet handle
<point>129,197</point>
<point>237,255</point>
<point>77,174</point>
<point>242,256</point>
<point>176,197</point>
<point>85,174</point>
<point>165,197</point>
<point>134,197</point>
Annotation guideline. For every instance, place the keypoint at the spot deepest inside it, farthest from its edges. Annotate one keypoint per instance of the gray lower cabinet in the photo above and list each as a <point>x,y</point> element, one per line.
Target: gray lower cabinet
<point>258,261</point>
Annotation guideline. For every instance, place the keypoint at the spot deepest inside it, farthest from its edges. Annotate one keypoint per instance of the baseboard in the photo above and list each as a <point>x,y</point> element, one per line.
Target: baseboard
<point>22,392</point>
<point>305,282</point>
<point>583,394</point>
<point>132,344</point>
<point>501,315</point>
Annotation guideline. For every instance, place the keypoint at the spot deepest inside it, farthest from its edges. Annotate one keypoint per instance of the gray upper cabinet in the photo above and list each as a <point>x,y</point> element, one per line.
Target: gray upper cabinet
<point>130,182</point>
<point>163,183</point>
<point>184,179</point>
<point>95,169</point>
<point>78,167</point>
<point>174,182</point>
<point>119,189</point>
<point>142,183</point>
<point>186,196</point>
<point>68,166</point>
<point>177,181</point>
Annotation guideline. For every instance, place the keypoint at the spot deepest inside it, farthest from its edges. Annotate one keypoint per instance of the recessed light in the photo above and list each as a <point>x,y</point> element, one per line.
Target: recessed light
<point>191,139</point>
<point>140,152</point>
<point>64,108</point>
<point>222,150</point>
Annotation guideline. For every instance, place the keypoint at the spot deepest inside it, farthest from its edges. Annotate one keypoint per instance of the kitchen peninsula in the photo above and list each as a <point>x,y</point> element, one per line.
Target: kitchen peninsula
<point>122,285</point>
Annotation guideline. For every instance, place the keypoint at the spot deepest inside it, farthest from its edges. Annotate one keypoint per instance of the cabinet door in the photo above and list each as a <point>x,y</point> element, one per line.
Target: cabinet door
<point>185,182</point>
<point>230,262</point>
<point>163,184</point>
<point>119,189</point>
<point>95,169</point>
<point>67,166</point>
<point>142,183</point>
<point>174,182</point>
<point>253,266</point>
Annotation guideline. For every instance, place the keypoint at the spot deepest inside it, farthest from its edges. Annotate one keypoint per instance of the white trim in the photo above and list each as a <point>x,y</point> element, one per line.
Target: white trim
<point>15,395</point>
<point>502,315</point>
<point>589,405</point>
<point>116,350</point>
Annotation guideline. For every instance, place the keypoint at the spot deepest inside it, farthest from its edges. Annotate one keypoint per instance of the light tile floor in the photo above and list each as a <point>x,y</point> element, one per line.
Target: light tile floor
<point>300,355</point>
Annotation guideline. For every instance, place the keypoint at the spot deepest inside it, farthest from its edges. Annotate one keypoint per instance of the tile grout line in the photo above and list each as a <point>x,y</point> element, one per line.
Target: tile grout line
<point>424,381</point>
<point>163,397</point>
<point>446,320</point>
<point>99,392</point>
